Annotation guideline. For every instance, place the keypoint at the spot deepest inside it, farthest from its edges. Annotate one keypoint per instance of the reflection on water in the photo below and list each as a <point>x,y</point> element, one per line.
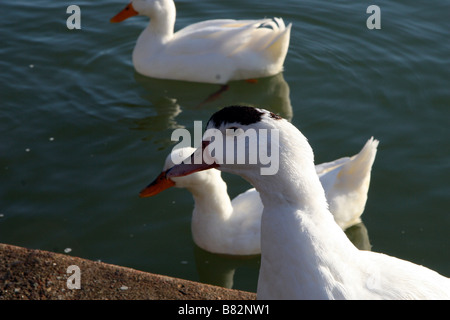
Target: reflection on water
<point>220,270</point>
<point>168,97</point>
<point>359,235</point>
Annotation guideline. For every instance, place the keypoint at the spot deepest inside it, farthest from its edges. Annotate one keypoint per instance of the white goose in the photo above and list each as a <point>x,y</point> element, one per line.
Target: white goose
<point>212,51</point>
<point>233,227</point>
<point>304,253</point>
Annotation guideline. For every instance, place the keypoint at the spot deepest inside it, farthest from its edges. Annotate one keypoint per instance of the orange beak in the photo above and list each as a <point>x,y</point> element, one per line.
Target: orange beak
<point>160,184</point>
<point>124,14</point>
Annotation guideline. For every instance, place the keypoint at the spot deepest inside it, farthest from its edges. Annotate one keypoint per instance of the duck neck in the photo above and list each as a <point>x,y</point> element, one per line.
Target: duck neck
<point>211,199</point>
<point>212,209</point>
<point>296,182</point>
<point>300,241</point>
<point>162,23</point>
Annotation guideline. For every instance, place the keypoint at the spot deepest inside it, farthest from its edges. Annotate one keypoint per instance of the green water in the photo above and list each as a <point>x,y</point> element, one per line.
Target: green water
<point>81,133</point>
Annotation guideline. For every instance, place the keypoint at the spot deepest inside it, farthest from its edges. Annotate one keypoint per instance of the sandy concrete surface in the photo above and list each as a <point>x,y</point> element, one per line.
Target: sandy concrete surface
<point>28,274</point>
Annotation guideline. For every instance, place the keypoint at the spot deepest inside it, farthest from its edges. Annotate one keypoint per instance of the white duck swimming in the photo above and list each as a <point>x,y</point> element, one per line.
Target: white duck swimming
<point>304,253</point>
<point>233,227</point>
<point>212,51</point>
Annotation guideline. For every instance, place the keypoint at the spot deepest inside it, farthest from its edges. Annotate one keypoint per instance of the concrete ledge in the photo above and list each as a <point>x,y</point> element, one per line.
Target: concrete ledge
<point>41,275</point>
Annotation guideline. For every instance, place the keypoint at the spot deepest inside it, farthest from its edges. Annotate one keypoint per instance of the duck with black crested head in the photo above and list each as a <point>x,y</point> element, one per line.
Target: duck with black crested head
<point>304,253</point>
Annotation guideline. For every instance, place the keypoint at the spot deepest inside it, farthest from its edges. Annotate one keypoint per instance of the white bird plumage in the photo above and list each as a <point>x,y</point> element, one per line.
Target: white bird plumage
<point>233,227</point>
<point>304,253</point>
<point>212,51</point>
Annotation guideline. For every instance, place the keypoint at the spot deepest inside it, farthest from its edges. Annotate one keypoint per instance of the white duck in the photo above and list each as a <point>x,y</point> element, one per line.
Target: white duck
<point>212,51</point>
<point>233,227</point>
<point>304,253</point>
